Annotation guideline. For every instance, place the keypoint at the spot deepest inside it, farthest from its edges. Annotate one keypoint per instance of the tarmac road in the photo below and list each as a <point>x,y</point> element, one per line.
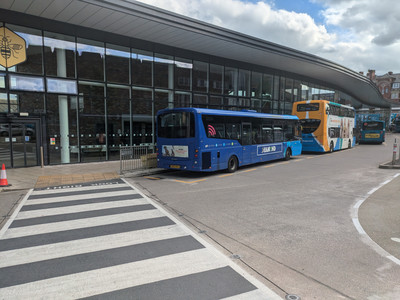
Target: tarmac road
<point>309,227</point>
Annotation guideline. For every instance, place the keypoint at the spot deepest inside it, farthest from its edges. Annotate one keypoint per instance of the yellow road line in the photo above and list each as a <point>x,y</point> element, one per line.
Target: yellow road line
<point>194,181</point>
<point>225,175</point>
<point>247,171</point>
<point>148,177</point>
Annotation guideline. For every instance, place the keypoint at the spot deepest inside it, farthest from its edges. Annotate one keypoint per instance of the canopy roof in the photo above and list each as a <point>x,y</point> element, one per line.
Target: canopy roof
<point>140,21</point>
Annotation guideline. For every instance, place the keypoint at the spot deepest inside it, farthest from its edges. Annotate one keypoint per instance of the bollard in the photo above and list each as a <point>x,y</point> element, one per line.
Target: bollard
<point>394,152</point>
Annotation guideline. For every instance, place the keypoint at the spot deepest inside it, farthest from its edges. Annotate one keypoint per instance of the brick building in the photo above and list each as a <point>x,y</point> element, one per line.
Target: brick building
<point>388,84</point>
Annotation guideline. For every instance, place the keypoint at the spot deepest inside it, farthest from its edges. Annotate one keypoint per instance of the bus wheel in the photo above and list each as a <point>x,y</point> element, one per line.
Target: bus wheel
<point>331,147</point>
<point>288,154</point>
<point>232,164</point>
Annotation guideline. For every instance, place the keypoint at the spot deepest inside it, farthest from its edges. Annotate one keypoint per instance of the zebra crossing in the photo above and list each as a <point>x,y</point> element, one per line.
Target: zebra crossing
<point>109,241</point>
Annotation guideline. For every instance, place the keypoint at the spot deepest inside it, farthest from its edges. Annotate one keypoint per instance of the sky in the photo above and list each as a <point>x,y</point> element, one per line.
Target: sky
<point>358,34</point>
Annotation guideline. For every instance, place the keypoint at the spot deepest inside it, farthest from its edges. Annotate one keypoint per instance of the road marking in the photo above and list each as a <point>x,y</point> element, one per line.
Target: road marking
<point>226,175</point>
<point>193,181</point>
<point>394,259</point>
<point>127,275</point>
<point>63,249</point>
<point>77,208</point>
<point>82,223</point>
<point>247,171</point>
<point>358,226</point>
<point>395,240</point>
<point>154,178</point>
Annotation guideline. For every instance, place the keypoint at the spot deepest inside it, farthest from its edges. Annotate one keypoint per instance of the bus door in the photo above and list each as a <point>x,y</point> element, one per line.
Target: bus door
<point>246,143</point>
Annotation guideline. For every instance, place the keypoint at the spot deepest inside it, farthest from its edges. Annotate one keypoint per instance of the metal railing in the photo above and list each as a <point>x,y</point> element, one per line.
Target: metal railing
<point>137,158</point>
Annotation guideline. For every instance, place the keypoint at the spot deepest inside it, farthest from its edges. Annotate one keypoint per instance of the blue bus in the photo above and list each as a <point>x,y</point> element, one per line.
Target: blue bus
<point>372,132</point>
<point>198,139</point>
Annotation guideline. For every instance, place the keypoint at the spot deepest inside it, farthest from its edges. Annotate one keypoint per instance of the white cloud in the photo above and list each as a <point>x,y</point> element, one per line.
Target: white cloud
<point>358,34</point>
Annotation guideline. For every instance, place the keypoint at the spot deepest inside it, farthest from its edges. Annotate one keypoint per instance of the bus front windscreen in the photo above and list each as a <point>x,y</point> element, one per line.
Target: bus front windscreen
<point>308,107</point>
<point>175,125</point>
<point>372,126</point>
<point>309,125</point>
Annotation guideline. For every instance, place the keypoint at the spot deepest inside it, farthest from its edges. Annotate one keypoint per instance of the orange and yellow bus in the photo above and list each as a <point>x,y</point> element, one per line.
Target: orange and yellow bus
<point>326,126</point>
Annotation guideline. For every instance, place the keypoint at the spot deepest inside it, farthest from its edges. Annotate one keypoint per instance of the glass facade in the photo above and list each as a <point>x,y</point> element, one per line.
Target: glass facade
<point>87,98</point>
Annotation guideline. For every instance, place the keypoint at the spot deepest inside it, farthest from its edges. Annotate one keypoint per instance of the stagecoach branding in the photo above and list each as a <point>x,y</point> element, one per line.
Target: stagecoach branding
<point>269,149</point>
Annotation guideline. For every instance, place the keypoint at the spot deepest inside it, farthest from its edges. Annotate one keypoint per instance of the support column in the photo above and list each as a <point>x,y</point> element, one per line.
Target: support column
<point>171,85</point>
<point>63,109</point>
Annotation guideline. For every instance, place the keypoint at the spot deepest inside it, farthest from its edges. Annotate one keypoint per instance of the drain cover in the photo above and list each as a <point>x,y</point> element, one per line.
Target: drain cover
<point>292,297</point>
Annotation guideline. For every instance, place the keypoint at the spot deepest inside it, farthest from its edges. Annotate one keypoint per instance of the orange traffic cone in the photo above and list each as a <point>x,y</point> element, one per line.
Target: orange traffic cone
<point>3,177</point>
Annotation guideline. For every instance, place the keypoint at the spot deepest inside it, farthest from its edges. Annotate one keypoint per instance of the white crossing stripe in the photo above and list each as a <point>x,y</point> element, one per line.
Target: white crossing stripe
<point>81,223</point>
<point>64,249</point>
<point>60,199</point>
<point>98,281</point>
<point>94,188</point>
<point>78,208</point>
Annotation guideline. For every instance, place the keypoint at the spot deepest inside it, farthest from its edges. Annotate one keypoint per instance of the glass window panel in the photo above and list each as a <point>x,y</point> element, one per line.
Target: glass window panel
<point>163,71</point>
<point>282,88</point>
<point>289,90</point>
<point>200,76</point>
<point>256,105</point>
<point>296,91</point>
<point>275,88</point>
<point>59,54</point>
<point>62,126</point>
<point>182,99</point>
<point>200,101</point>
<point>91,89</point>
<point>34,43</point>
<point>244,83</point>
<point>118,120</point>
<point>142,120</point>
<point>2,80</point>
<point>256,84</point>
<point>3,103</point>
<point>117,64</point>
<point>142,68</point>
<point>183,74</point>
<point>26,83</point>
<point>90,60</point>
<point>304,92</point>
<point>266,106</point>
<point>230,82</point>
<point>267,87</point>
<point>61,86</point>
<point>314,93</point>
<point>216,102</point>
<point>32,103</point>
<point>216,78</point>
<point>92,127</point>
<point>142,94</point>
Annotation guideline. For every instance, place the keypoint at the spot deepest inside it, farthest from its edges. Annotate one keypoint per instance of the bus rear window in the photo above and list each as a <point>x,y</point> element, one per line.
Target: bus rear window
<point>308,107</point>
<point>176,125</point>
<point>309,125</point>
<point>372,126</point>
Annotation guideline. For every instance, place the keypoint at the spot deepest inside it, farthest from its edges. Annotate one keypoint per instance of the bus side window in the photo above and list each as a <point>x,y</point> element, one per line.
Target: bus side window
<point>232,131</point>
<point>278,132</point>
<point>256,135</point>
<point>267,136</point>
<point>289,131</point>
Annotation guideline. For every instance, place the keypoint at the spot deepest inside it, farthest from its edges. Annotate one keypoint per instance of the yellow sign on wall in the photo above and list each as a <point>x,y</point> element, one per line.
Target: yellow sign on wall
<point>12,48</point>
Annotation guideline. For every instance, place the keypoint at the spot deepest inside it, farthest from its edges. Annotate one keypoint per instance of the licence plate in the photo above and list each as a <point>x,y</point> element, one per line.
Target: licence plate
<point>372,135</point>
<point>175,166</point>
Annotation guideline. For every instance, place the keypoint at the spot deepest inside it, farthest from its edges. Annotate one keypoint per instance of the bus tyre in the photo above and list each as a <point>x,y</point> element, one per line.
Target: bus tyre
<point>331,147</point>
<point>288,154</point>
<point>232,164</point>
